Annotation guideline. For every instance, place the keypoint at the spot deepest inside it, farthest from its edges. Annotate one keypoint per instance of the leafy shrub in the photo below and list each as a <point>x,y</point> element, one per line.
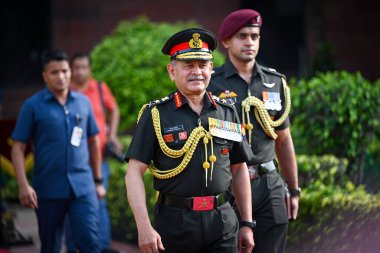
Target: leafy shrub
<point>131,62</point>
<point>335,215</point>
<point>123,223</point>
<point>336,113</point>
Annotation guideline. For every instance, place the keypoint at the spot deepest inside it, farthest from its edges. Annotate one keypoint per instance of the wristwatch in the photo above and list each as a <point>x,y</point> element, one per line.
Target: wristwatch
<point>98,180</point>
<point>295,192</point>
<point>250,224</point>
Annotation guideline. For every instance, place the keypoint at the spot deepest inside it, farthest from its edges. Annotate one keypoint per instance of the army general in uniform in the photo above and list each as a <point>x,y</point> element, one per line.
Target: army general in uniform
<point>262,99</point>
<point>193,145</point>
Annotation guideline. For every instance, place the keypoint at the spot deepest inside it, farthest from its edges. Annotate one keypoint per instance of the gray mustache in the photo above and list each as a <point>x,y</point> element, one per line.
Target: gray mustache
<point>193,78</point>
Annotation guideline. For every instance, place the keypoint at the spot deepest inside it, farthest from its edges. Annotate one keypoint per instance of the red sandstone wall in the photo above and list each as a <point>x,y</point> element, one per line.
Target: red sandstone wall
<point>80,25</point>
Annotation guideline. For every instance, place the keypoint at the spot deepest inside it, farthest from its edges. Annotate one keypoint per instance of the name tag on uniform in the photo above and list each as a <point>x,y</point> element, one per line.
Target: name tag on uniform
<point>225,129</point>
<point>76,137</point>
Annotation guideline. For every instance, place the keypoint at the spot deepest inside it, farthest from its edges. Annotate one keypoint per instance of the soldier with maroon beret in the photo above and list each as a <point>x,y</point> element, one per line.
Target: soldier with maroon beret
<point>262,99</point>
<point>193,145</point>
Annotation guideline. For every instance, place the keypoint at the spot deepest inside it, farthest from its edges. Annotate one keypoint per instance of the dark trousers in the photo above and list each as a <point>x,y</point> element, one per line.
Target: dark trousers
<point>104,218</point>
<point>83,213</point>
<point>186,231</point>
<point>269,211</point>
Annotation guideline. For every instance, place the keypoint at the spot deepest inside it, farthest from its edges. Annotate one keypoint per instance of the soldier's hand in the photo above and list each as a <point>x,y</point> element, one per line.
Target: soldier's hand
<point>150,240</point>
<point>294,203</point>
<point>245,240</point>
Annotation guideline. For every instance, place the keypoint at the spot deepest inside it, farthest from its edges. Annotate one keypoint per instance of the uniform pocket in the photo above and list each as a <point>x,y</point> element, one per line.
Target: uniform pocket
<point>276,187</point>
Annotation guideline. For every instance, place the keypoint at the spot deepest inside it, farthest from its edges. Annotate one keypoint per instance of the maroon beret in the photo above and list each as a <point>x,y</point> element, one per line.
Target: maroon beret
<point>238,19</point>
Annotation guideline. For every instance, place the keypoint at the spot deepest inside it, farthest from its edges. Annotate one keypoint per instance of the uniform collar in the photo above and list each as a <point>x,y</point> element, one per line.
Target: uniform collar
<point>230,70</point>
<point>180,100</point>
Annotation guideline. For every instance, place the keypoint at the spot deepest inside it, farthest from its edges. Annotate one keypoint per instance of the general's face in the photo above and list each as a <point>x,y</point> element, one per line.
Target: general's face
<point>57,76</point>
<point>190,77</point>
<point>81,69</point>
<point>244,45</point>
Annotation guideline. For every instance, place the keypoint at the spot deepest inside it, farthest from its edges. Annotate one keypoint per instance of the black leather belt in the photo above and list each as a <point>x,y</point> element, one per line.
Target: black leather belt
<point>201,203</point>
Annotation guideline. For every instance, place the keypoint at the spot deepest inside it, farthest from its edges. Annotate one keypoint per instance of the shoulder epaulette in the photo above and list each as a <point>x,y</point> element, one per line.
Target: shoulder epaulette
<point>217,71</point>
<point>160,101</point>
<point>153,103</point>
<point>272,71</point>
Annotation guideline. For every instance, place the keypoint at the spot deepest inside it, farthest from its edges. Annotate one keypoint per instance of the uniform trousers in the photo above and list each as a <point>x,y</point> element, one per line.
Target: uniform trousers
<point>186,231</point>
<point>104,219</point>
<point>83,213</point>
<point>269,211</point>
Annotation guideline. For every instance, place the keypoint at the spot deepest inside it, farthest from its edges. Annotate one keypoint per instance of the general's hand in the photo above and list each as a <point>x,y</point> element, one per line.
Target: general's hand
<point>245,240</point>
<point>28,197</point>
<point>294,203</point>
<point>100,191</point>
<point>149,240</point>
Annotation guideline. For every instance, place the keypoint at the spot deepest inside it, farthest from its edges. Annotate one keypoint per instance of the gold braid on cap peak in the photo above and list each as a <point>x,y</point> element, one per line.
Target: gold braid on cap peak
<point>262,114</point>
<point>187,150</point>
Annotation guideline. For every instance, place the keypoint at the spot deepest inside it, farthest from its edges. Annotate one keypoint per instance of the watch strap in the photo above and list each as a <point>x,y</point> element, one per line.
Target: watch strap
<point>250,224</point>
<point>98,180</point>
<point>295,192</point>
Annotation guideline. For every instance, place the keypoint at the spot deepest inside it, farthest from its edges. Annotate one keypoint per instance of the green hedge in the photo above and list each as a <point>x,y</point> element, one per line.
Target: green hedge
<point>335,215</point>
<point>337,113</point>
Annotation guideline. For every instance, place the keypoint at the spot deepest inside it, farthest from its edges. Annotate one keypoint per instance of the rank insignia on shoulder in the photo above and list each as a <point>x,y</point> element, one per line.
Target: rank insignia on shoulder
<point>157,101</point>
<point>271,71</point>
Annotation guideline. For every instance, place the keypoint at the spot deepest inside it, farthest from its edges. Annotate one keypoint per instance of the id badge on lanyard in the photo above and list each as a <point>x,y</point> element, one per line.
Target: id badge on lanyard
<point>76,136</point>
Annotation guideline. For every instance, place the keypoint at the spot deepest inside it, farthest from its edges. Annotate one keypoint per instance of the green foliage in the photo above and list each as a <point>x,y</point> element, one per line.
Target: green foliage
<point>131,62</point>
<point>334,215</point>
<point>9,190</point>
<point>326,170</point>
<point>342,221</point>
<point>336,113</point>
<point>123,223</point>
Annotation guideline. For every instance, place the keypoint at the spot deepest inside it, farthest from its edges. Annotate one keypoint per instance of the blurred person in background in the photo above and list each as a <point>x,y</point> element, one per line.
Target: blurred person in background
<point>64,134</point>
<point>107,117</point>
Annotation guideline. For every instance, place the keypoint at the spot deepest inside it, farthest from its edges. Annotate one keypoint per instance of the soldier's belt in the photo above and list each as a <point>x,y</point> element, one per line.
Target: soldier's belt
<point>202,203</point>
<point>259,170</point>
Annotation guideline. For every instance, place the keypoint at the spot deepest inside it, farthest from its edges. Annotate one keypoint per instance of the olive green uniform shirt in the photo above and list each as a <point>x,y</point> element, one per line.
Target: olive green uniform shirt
<point>177,121</point>
<point>229,86</point>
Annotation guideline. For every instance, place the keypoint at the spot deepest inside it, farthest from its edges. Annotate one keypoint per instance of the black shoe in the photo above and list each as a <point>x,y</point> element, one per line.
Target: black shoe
<point>110,251</point>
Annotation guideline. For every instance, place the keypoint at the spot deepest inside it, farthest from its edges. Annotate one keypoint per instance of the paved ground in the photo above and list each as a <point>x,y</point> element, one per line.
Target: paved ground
<point>26,224</point>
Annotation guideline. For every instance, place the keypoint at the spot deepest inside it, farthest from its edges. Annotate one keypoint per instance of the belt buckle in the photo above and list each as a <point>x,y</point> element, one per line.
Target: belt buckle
<point>204,203</point>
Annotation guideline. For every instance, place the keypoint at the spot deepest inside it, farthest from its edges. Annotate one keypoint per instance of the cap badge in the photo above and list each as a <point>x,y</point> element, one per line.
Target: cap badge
<point>196,42</point>
<point>258,19</point>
